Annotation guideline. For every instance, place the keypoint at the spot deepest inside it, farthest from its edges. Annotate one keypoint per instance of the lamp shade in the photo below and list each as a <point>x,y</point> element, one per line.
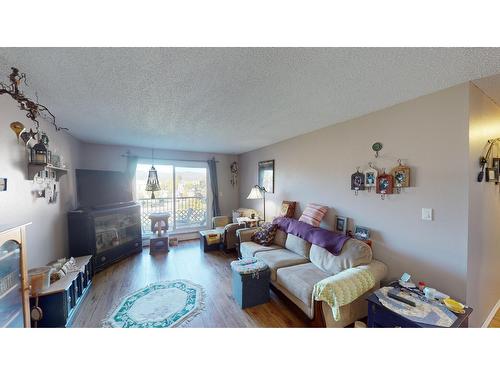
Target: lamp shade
<point>255,193</point>
<point>153,184</point>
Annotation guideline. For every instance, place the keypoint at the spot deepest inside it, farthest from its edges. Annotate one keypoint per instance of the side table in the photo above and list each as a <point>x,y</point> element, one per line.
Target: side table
<point>248,222</point>
<point>381,317</point>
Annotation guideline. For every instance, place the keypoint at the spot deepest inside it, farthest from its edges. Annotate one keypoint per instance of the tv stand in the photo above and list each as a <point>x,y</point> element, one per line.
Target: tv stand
<point>112,205</point>
<point>108,234</point>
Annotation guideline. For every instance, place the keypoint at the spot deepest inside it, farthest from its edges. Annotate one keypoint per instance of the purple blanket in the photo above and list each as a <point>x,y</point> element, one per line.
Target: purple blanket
<point>329,240</point>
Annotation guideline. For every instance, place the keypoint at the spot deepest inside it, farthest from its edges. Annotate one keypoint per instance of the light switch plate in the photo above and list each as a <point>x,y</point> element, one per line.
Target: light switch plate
<point>427,214</point>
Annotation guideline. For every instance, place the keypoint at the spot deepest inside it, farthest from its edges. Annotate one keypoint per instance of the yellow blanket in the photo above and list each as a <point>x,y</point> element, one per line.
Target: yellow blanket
<point>343,288</point>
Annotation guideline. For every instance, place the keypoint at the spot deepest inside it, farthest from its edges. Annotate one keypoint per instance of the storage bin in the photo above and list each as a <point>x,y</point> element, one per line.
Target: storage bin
<point>250,279</point>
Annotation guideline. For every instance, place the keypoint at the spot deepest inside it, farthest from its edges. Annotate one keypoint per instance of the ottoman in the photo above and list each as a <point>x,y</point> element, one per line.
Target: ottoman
<point>251,278</point>
<point>212,239</point>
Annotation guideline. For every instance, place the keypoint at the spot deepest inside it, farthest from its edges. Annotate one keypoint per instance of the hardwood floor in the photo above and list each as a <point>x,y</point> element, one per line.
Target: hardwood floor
<point>495,322</point>
<point>186,261</point>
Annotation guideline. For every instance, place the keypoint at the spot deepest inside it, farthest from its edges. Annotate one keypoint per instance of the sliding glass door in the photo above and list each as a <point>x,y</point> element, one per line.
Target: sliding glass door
<point>183,194</point>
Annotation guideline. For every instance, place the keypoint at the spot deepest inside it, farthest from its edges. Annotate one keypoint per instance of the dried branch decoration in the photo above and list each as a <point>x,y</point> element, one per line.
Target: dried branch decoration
<point>33,108</point>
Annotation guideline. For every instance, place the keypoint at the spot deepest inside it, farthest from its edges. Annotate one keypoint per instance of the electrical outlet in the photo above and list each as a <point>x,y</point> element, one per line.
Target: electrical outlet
<point>3,184</point>
<point>427,214</point>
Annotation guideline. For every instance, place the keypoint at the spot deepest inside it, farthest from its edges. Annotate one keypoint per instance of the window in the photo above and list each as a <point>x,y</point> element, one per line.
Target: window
<point>183,194</point>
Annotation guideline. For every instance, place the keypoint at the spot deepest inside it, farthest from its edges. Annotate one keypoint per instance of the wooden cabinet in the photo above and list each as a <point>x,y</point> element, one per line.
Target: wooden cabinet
<point>14,286</point>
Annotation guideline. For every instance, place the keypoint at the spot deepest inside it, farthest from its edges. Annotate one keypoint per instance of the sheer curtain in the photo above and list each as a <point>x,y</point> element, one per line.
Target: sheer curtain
<point>212,170</point>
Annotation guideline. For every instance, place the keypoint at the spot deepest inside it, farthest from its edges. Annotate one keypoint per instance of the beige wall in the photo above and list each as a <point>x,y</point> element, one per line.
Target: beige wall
<point>483,267</point>
<point>47,236</point>
<point>430,133</point>
<point>106,157</point>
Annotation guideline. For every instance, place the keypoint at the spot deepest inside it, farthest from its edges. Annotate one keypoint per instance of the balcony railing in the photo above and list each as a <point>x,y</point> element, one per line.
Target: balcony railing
<point>189,212</point>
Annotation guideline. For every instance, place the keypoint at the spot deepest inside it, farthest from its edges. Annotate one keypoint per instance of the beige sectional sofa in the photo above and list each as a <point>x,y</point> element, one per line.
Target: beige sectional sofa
<point>297,265</point>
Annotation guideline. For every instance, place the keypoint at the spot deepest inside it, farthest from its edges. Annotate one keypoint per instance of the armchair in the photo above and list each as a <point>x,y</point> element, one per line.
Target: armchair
<point>224,222</point>
<point>230,226</point>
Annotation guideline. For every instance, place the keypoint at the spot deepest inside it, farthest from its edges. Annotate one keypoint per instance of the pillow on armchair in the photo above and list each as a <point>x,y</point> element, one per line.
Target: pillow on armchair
<point>265,234</point>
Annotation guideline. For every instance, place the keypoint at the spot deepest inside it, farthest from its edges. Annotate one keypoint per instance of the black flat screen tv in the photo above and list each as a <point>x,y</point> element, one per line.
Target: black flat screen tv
<point>102,188</point>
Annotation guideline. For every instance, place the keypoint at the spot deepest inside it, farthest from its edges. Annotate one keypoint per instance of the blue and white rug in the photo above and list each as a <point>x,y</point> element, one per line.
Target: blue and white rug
<point>160,305</point>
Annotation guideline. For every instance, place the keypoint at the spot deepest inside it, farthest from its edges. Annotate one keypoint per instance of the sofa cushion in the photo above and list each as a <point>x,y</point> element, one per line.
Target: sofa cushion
<point>249,249</point>
<point>298,245</point>
<point>299,280</point>
<point>277,259</point>
<point>280,238</point>
<point>354,253</point>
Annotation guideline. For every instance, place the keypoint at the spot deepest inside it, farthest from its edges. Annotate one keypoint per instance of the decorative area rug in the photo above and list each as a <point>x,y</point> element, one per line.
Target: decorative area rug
<point>160,305</point>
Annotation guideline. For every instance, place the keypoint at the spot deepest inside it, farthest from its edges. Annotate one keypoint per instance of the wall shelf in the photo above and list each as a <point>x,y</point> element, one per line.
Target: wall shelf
<point>33,170</point>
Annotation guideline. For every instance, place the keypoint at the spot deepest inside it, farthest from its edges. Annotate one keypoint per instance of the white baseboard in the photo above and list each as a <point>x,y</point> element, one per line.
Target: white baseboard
<point>491,315</point>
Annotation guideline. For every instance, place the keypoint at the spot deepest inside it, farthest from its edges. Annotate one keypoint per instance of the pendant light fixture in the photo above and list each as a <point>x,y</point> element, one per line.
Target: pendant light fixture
<point>153,184</point>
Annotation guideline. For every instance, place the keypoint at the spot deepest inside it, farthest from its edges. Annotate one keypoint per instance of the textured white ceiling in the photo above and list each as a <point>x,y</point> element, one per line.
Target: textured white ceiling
<point>231,99</point>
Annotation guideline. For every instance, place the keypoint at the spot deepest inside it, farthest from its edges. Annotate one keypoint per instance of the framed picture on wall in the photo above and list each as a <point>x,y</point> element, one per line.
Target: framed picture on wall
<point>341,224</point>
<point>266,175</point>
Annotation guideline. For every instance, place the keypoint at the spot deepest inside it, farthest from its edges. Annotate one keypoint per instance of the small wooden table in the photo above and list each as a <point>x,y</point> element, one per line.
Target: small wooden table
<point>380,316</point>
<point>249,223</point>
<point>159,227</point>
<point>159,222</point>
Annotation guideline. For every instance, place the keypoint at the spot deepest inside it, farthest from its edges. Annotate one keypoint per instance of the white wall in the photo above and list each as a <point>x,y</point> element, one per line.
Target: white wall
<point>430,133</point>
<point>47,236</point>
<point>106,157</point>
<point>483,270</point>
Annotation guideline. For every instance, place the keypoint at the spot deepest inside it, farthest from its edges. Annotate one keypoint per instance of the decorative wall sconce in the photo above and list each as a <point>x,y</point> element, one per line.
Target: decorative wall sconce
<point>357,181</point>
<point>385,184</point>
<point>377,146</point>
<point>401,175</point>
<point>371,175</point>
<point>234,173</point>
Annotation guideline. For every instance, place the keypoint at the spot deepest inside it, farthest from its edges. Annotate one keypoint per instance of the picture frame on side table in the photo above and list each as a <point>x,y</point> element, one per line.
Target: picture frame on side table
<point>266,175</point>
<point>341,224</point>
<point>361,233</point>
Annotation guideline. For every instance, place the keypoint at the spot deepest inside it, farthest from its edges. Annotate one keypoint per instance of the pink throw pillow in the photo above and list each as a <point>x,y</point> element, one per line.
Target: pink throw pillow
<point>313,214</point>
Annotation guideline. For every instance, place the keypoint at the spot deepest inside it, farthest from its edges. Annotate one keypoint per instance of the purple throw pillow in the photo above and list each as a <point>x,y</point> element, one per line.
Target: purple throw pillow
<point>265,234</point>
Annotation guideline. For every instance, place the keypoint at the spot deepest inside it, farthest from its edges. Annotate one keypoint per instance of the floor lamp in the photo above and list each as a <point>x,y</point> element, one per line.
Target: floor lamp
<point>258,192</point>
